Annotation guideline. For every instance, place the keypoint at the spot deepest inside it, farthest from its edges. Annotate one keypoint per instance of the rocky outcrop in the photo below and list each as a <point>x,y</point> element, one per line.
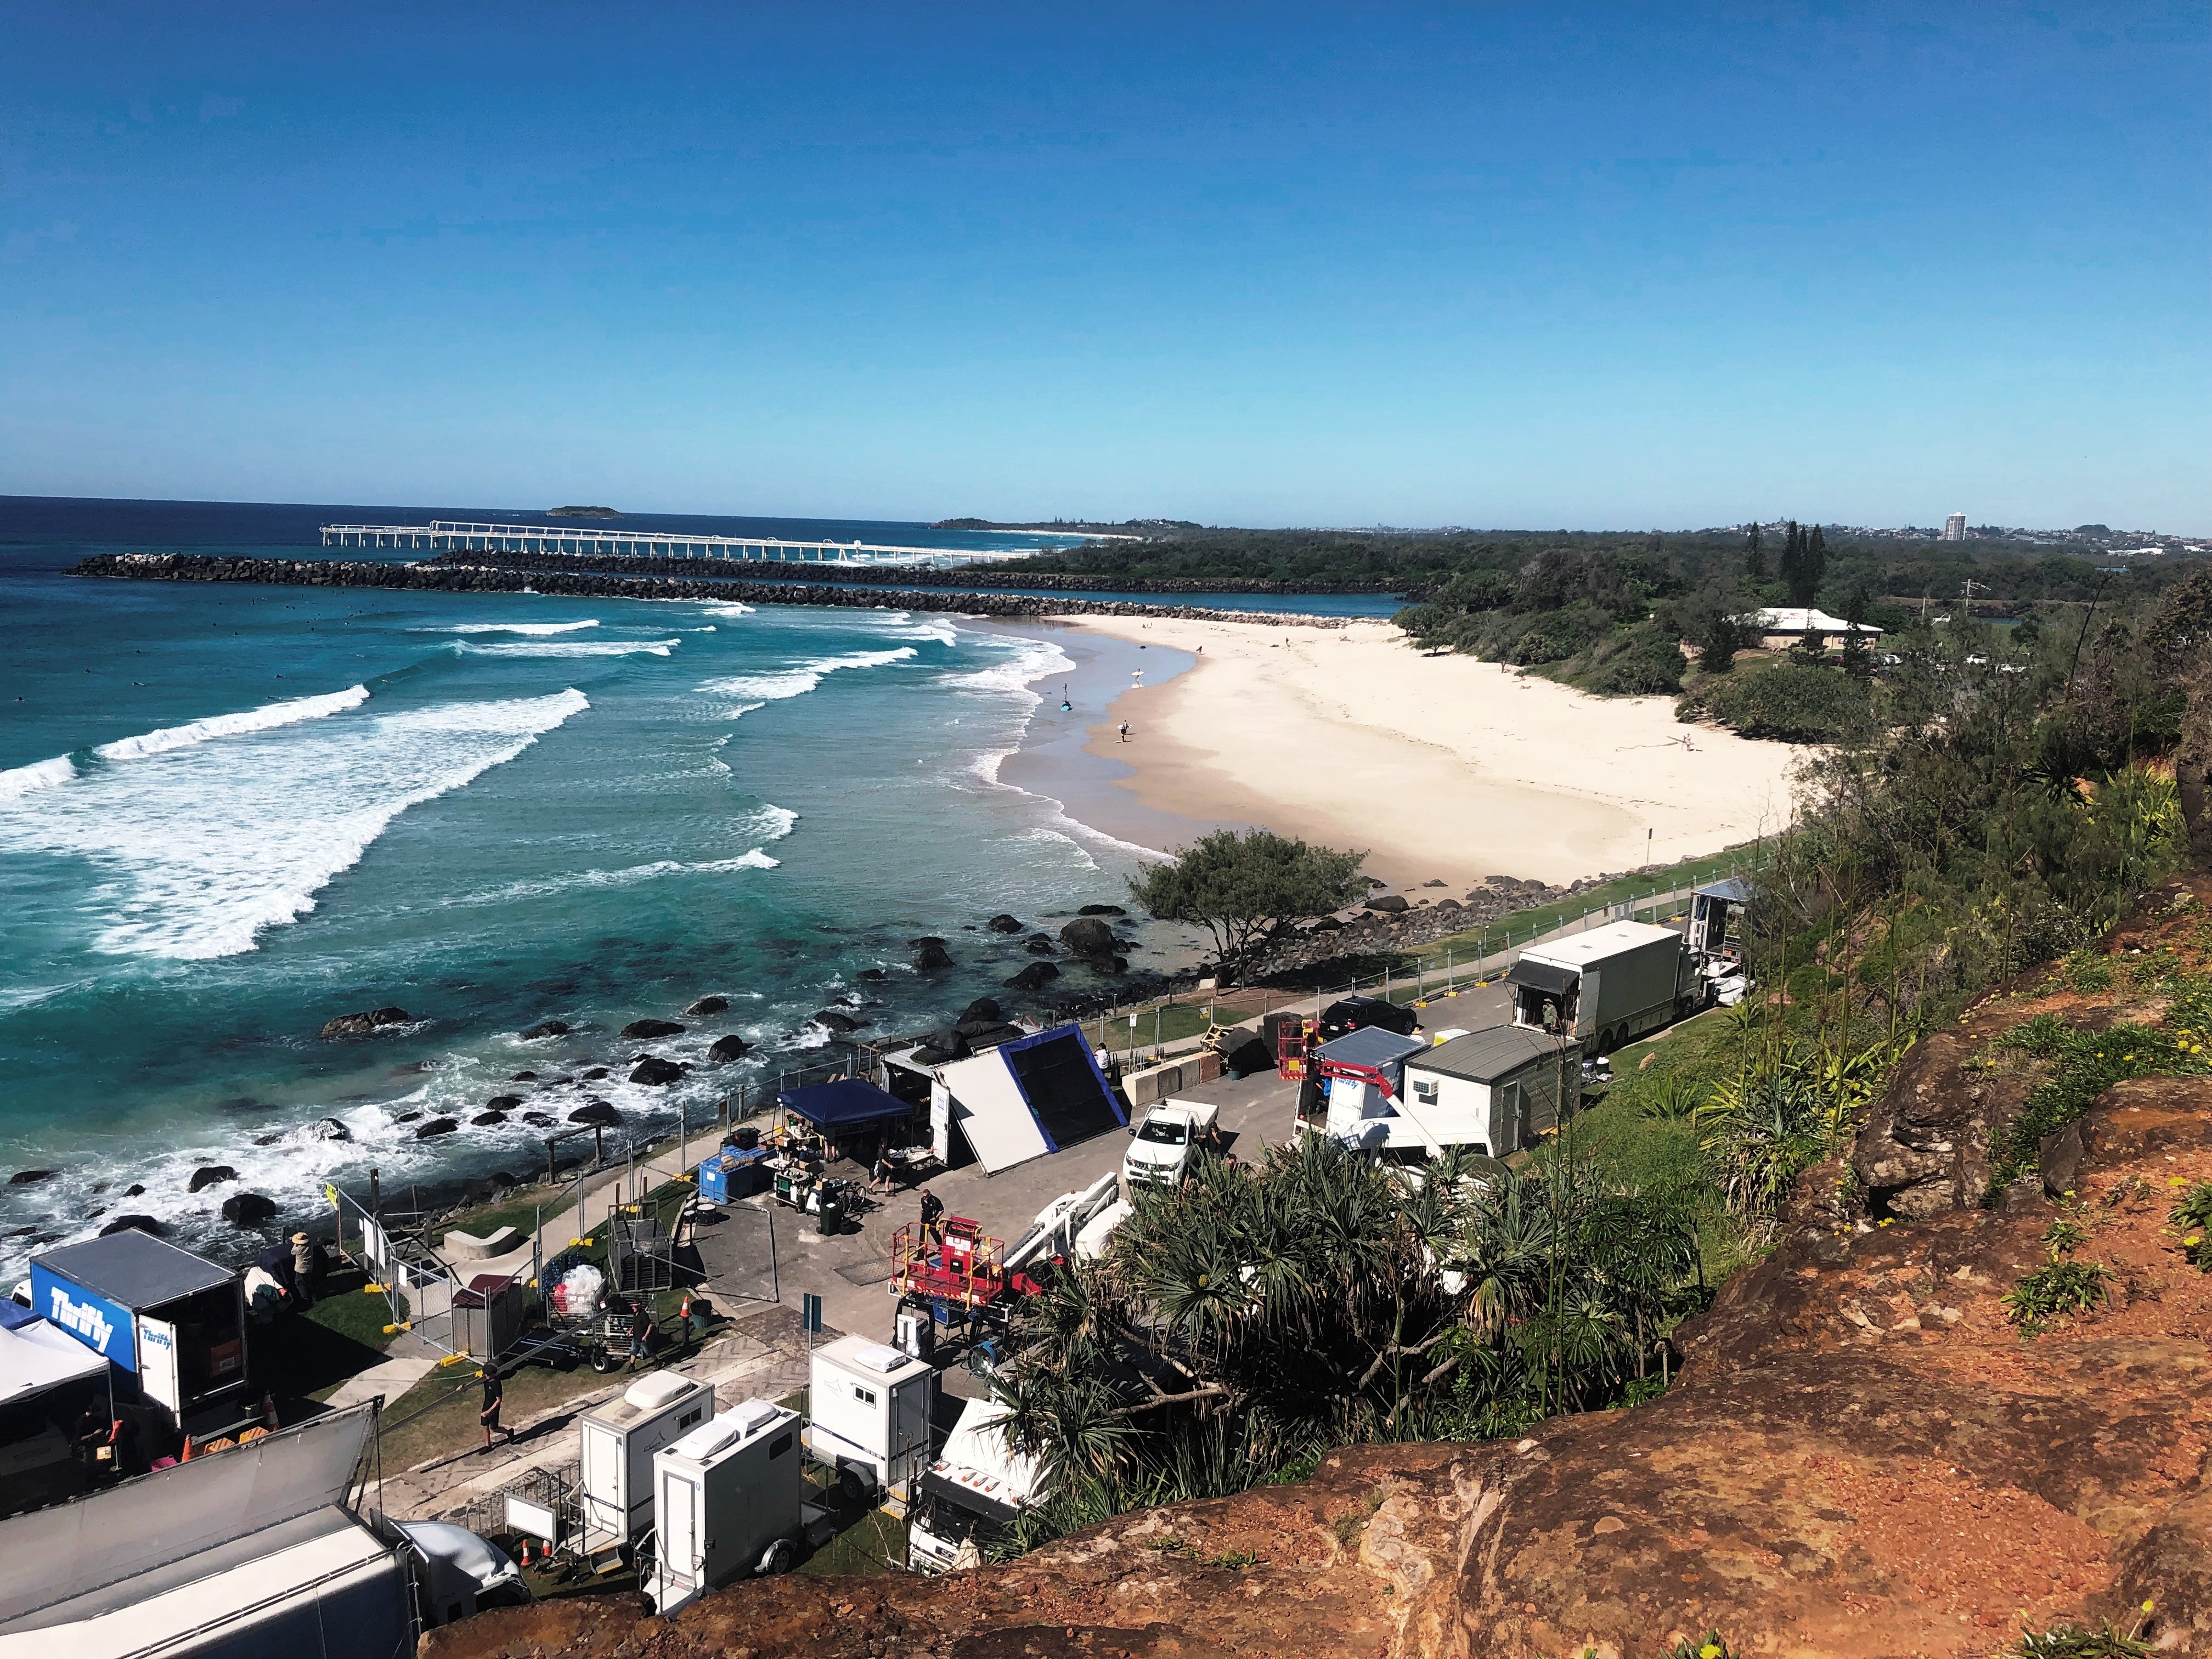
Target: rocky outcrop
<point>328,1128</point>
<point>143,1223</point>
<point>1087,937</point>
<point>596,1111</point>
<point>1003,923</point>
<point>31,1177</point>
<point>540,573</point>
<point>436,1126</point>
<point>209,1174</point>
<point>832,1020</point>
<point>1923,1149</point>
<point>652,1069</point>
<point>1862,1457</point>
<point>367,1023</point>
<point>709,1005</point>
<point>644,1030</point>
<point>248,1209</point>
<point>725,1049</point>
<point>930,956</point>
<point>545,1028</point>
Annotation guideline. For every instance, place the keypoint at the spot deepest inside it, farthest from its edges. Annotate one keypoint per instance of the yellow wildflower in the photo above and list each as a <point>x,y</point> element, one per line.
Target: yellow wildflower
<point>2192,1241</point>
<point>1711,1651</point>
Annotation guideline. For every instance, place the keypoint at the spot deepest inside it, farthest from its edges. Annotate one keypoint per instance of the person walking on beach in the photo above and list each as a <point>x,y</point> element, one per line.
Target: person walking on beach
<point>1125,731</point>
<point>494,1392</point>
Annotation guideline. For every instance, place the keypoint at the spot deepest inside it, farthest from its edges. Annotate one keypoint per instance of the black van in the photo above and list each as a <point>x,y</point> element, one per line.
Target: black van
<point>1354,1013</point>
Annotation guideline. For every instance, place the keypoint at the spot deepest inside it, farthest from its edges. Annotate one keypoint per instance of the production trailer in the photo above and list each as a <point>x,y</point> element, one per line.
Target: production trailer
<point>617,1442</point>
<point>972,1496</point>
<point>1608,987</point>
<point>726,1502</point>
<point>868,1410</point>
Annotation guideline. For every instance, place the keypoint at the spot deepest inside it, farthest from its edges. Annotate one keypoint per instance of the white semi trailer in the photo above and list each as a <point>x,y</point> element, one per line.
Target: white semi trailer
<point>1608,987</point>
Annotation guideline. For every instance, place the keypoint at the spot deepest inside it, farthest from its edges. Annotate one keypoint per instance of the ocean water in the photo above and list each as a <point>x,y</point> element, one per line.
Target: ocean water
<point>230,814</point>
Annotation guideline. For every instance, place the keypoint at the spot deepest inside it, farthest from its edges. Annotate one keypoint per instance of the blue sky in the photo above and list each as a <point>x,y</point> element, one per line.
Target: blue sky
<point>1566,264</point>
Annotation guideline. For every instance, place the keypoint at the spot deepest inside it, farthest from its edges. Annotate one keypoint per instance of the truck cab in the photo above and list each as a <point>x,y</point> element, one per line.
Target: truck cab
<point>972,1497</point>
<point>1167,1142</point>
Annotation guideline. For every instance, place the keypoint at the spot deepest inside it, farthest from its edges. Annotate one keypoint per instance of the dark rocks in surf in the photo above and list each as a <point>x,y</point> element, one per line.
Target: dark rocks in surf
<point>546,1027</point>
<point>986,1009</point>
<point>1101,910</point>
<point>248,1209</point>
<point>1088,937</point>
<point>1041,945</point>
<point>709,1005</point>
<point>266,1141</point>
<point>1035,977</point>
<point>133,1190</point>
<point>487,1120</point>
<point>436,1126</point>
<point>328,1128</point>
<point>407,1117</point>
<point>125,1224</point>
<point>367,1023</point>
<point>502,1103</point>
<point>872,975</point>
<point>833,1022</point>
<point>538,1120</point>
<point>728,1049</point>
<point>655,1070</point>
<point>640,1030</point>
<point>596,1111</point>
<point>594,1074</point>
<point>31,1177</point>
<point>209,1174</point>
<point>524,1077</point>
<point>1003,923</point>
<point>930,956</point>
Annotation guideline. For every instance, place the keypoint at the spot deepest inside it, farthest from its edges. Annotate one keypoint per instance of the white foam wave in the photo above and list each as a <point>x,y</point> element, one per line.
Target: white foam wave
<point>507,627</point>
<point>204,845</point>
<point>797,680</point>
<point>1026,660</point>
<point>38,774</point>
<point>572,648</point>
<point>266,718</point>
<point>727,608</point>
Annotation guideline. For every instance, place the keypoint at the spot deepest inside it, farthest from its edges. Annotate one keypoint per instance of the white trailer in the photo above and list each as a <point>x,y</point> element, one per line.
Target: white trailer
<point>1608,987</point>
<point>618,1441</point>
<point>1491,1092</point>
<point>725,1503</point>
<point>972,1495</point>
<point>1167,1142</point>
<point>868,1415</point>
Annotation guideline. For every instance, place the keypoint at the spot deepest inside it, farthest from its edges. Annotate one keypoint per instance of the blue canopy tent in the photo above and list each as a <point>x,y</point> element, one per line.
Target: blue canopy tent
<point>846,1103</point>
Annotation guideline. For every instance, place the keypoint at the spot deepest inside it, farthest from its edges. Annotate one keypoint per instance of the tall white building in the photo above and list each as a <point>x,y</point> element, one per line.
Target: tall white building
<point>1954,528</point>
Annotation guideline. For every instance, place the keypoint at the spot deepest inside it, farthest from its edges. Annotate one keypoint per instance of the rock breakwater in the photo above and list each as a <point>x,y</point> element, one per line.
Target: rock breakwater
<point>438,576</point>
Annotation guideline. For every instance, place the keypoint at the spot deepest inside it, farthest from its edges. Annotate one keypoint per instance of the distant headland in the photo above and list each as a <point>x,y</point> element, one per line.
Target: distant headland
<point>582,513</point>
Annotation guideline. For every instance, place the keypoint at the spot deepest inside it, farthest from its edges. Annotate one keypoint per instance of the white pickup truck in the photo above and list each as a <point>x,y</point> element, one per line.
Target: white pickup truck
<point>1166,1143</point>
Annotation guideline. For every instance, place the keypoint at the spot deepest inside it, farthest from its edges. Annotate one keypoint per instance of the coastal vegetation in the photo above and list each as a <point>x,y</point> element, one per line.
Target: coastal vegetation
<point>1246,888</point>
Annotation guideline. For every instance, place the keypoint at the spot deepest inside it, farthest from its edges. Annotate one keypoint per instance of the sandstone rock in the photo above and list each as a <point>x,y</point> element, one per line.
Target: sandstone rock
<point>436,1126</point>
<point>653,1070</point>
<point>247,1209</point>
<point>728,1049</point>
<point>145,1223</point>
<point>643,1030</point>
<point>545,1028</point>
<point>1003,923</point>
<point>596,1111</point>
<point>209,1174</point>
<point>709,1005</point>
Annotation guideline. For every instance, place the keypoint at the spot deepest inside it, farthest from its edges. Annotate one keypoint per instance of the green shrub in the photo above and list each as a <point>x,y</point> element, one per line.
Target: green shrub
<point>1638,662</point>
<point>2057,1287</point>
<point>1793,702</point>
<point>2192,1219</point>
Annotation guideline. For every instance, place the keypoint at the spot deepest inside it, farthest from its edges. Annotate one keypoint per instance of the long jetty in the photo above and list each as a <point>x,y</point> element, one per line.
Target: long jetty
<point>443,577</point>
<point>455,536</point>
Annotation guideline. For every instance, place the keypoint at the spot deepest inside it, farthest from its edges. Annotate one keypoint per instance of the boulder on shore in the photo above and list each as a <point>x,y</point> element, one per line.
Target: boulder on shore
<point>639,1029</point>
<point>930,956</point>
<point>1035,977</point>
<point>31,1177</point>
<point>1388,903</point>
<point>1087,936</point>
<point>831,1021</point>
<point>728,1049</point>
<point>546,1027</point>
<point>984,1008</point>
<point>488,1120</point>
<point>1101,910</point>
<point>709,1005</point>
<point>124,1224</point>
<point>366,1023</point>
<point>248,1209</point>
<point>436,1126</point>
<point>652,1069</point>
<point>209,1174</point>
<point>596,1111</point>
<point>1003,923</point>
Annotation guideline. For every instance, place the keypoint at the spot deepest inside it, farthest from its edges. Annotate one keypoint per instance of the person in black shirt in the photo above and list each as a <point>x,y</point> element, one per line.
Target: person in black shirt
<point>494,1392</point>
<point>933,1217</point>
<point>640,1333</point>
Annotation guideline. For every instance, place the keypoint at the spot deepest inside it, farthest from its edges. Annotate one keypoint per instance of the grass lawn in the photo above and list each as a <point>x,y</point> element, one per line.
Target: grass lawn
<point>307,1356</point>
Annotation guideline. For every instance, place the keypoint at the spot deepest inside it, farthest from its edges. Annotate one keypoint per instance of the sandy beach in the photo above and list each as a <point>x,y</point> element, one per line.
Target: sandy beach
<point>1443,768</point>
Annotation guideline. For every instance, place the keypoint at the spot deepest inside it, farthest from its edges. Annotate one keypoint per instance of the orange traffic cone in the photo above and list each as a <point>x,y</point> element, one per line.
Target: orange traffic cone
<point>269,1411</point>
<point>186,1457</point>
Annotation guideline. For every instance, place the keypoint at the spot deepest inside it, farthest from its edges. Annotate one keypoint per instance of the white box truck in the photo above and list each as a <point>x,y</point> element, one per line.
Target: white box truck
<point>972,1495</point>
<point>1167,1143</point>
<point>1605,988</point>
<point>725,1503</point>
<point>617,1443</point>
<point>868,1415</point>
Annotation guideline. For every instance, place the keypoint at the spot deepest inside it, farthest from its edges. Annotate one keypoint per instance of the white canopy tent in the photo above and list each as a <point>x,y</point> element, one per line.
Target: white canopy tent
<point>37,1356</point>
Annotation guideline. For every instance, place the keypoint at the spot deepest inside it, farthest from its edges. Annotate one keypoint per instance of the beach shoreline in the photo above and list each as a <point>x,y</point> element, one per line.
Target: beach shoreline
<point>1442,768</point>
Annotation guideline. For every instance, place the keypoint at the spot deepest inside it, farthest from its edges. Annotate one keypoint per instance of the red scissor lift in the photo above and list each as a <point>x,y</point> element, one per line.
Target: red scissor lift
<point>1294,1037</point>
<point>964,1269</point>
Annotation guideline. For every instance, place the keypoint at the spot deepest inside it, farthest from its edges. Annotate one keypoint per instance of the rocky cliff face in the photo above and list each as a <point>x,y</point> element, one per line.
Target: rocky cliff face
<point>1863,1457</point>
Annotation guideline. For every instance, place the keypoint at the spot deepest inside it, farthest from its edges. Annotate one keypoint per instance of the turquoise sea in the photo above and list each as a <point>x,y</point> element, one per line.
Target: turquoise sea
<point>229,813</point>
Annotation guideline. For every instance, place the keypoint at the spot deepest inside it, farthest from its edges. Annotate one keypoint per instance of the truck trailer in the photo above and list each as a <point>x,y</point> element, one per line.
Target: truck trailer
<point>972,1495</point>
<point>1608,987</point>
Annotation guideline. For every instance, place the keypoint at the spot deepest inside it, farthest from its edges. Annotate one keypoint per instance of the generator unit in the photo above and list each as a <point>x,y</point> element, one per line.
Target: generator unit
<point>725,1503</point>
<point>618,1442</point>
<point>868,1414</point>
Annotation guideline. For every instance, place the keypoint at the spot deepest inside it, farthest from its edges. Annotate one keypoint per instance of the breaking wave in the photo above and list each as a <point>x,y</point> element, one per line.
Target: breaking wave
<point>571,648</point>
<point>507,627</point>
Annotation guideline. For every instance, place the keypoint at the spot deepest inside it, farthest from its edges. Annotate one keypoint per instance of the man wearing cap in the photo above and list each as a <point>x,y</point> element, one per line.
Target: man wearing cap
<point>307,1268</point>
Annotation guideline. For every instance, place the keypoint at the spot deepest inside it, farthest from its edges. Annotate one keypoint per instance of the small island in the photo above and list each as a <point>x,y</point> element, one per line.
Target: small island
<point>583,512</point>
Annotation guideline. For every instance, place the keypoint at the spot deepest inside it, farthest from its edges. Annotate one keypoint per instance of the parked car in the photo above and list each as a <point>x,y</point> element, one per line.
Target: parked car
<point>1355,1013</point>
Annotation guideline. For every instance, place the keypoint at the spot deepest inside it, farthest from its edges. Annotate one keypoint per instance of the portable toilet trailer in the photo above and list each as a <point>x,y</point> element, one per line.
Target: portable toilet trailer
<point>868,1415</point>
<point>725,1503</point>
<point>618,1442</point>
